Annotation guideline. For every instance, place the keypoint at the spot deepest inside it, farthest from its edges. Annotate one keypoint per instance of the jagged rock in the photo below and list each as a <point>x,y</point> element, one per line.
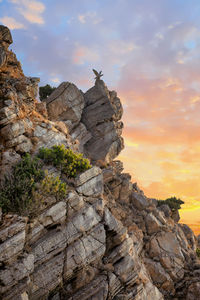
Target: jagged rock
<point>81,134</point>
<point>47,247</point>
<point>65,103</point>
<point>84,251</point>
<point>47,277</point>
<point>12,247</point>
<point>160,277</point>
<point>14,273</point>
<point>81,222</point>
<point>189,235</point>
<point>5,35</point>
<point>3,57</point>
<point>100,117</point>
<point>74,203</point>
<point>166,248</point>
<point>90,182</point>
<point>97,290</point>
<point>53,215</point>
<point>153,225</point>
<point>165,208</point>
<point>13,130</point>
<point>140,201</point>
<point>106,240</point>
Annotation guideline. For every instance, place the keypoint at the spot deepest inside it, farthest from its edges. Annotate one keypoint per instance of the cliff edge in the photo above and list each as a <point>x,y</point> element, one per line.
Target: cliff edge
<point>105,239</point>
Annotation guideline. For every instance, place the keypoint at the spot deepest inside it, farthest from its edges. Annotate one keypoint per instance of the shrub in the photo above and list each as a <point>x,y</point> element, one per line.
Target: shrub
<point>52,186</point>
<point>70,163</point>
<point>173,202</point>
<point>28,186</point>
<point>198,252</point>
<point>45,91</point>
<point>16,192</point>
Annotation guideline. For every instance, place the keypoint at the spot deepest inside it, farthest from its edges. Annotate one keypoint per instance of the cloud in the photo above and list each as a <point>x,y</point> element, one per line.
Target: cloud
<point>90,17</point>
<point>30,10</point>
<point>11,23</point>
<point>83,54</point>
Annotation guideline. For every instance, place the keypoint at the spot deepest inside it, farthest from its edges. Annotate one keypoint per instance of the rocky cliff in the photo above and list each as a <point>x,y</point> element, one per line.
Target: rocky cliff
<point>106,239</point>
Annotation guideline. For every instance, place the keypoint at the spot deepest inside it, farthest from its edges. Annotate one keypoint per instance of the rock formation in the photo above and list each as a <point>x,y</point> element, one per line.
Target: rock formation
<point>106,240</point>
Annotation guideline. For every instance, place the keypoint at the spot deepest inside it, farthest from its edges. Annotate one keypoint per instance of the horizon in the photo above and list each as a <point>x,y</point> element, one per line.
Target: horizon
<point>149,53</point>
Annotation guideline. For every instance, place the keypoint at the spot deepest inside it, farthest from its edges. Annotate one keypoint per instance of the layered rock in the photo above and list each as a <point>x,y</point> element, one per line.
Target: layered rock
<point>106,239</point>
<point>101,117</point>
<point>91,118</point>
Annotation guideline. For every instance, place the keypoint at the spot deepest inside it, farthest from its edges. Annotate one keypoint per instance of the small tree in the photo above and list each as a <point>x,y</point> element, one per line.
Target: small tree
<point>173,203</point>
<point>45,91</point>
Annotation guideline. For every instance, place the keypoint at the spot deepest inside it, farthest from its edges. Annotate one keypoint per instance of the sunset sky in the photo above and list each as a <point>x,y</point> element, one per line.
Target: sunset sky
<point>149,51</point>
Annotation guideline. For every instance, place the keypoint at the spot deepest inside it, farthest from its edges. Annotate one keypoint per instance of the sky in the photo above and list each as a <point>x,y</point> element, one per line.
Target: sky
<point>149,51</point>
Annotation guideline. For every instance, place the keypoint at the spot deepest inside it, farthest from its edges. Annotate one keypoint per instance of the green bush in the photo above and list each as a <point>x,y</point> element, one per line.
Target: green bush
<point>45,91</point>
<point>198,252</point>
<point>173,202</point>
<point>16,192</point>
<point>24,191</point>
<point>70,163</point>
<point>52,186</point>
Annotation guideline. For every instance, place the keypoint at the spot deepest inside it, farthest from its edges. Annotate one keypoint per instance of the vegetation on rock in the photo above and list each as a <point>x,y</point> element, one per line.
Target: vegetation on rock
<point>173,203</point>
<point>45,91</point>
<point>70,163</point>
<point>28,186</point>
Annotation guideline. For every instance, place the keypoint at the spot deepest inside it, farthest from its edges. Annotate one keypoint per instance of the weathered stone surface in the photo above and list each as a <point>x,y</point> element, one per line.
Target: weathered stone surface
<point>140,201</point>
<point>3,57</point>
<point>81,223</point>
<point>165,208</point>
<point>55,214</point>
<point>159,276</point>
<point>153,225</point>
<point>84,251</point>
<point>13,130</point>
<point>74,203</point>
<point>5,35</point>
<point>12,247</point>
<point>14,273</point>
<point>96,290</point>
<point>166,248</point>
<point>87,175</point>
<point>189,235</point>
<point>24,147</point>
<point>16,141</point>
<point>48,138</point>
<point>49,245</point>
<point>12,237</point>
<point>90,183</point>
<point>100,117</point>
<point>118,233</point>
<point>81,134</point>
<point>65,103</point>
<point>47,277</point>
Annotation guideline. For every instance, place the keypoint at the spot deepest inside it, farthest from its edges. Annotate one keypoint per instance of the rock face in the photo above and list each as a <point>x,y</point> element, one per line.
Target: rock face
<point>91,118</point>
<point>101,117</point>
<point>106,239</point>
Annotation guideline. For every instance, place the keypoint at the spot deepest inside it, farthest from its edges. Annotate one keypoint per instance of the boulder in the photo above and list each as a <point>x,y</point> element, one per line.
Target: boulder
<point>65,104</point>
